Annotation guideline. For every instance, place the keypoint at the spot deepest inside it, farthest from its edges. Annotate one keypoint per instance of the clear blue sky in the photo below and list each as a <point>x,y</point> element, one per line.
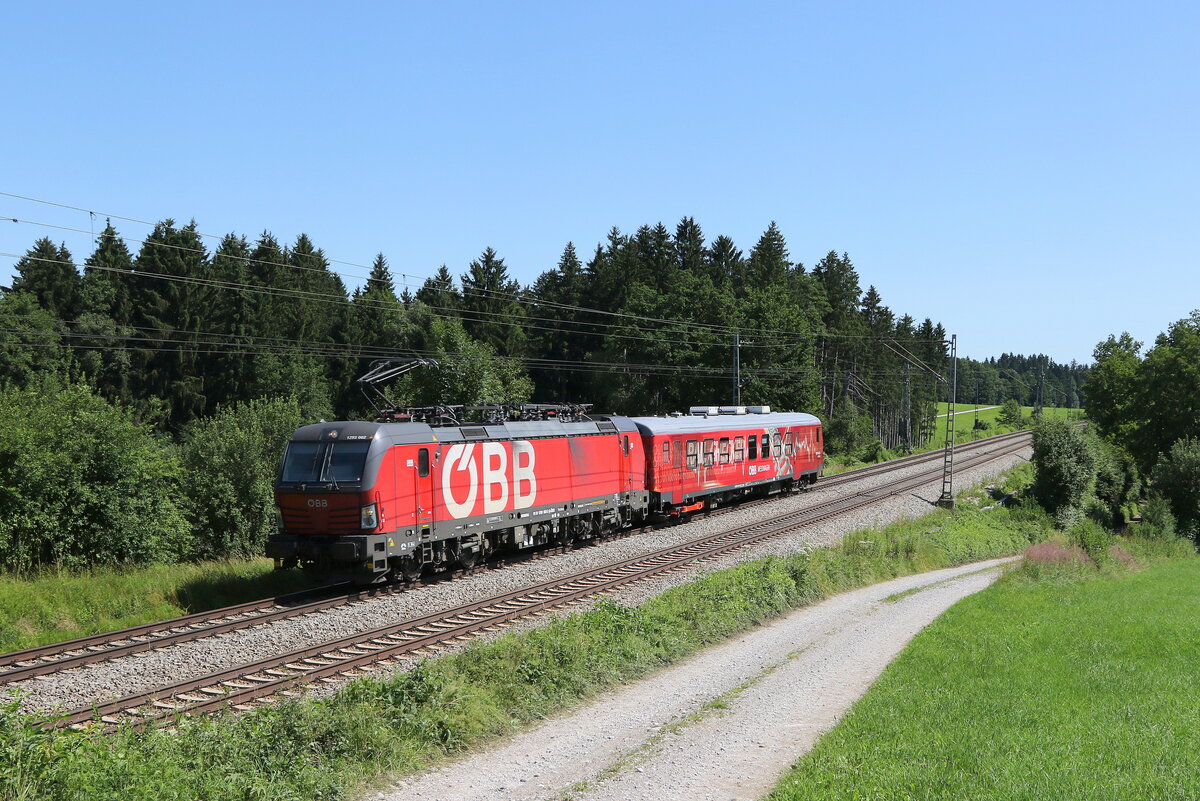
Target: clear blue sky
<point>1026,173</point>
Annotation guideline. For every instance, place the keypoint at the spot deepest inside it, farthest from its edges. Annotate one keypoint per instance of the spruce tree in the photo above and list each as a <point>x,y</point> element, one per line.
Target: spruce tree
<point>48,272</point>
<point>727,262</point>
<point>440,293</point>
<point>769,259</point>
<point>563,336</point>
<point>104,288</point>
<point>169,302</point>
<point>491,311</point>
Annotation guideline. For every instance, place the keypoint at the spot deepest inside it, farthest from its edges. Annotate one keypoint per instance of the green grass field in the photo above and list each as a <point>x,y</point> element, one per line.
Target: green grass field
<point>1054,689</point>
<point>964,422</point>
<point>61,606</point>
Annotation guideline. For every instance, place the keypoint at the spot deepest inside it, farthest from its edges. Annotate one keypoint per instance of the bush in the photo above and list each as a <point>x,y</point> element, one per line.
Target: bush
<point>82,484</point>
<point>230,459</point>
<point>1093,538</point>
<point>1010,414</point>
<point>847,431</point>
<point>1064,467</point>
<point>874,452</point>
<point>1158,523</point>
<point>1176,478</point>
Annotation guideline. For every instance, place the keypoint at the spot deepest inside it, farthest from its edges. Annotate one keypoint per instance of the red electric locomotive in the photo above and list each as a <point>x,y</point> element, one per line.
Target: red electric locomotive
<point>716,455</point>
<point>365,501</point>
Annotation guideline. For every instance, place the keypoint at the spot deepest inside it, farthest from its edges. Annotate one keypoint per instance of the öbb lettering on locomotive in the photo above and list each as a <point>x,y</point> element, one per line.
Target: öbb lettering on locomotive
<point>499,474</point>
<point>368,501</point>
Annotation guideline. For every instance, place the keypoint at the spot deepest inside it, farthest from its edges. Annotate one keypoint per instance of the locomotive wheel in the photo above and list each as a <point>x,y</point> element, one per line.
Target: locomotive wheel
<point>410,568</point>
<point>466,559</point>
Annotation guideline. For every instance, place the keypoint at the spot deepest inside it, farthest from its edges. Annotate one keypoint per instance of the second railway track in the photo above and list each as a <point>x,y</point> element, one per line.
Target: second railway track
<point>241,687</point>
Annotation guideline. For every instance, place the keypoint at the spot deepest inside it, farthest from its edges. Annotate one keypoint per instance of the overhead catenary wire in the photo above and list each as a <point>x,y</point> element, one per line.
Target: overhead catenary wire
<point>477,315</point>
<point>467,315</point>
<point>341,300</point>
<point>516,297</point>
<point>341,350</point>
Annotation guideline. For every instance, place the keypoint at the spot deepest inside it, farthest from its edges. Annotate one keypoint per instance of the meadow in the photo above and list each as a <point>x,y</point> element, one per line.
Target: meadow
<point>1060,681</point>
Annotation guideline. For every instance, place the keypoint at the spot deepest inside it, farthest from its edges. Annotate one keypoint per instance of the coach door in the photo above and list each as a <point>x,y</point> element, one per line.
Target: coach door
<point>423,476</point>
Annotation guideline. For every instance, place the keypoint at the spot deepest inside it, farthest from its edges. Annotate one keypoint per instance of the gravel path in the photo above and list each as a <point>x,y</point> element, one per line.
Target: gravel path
<point>142,672</point>
<point>722,725</point>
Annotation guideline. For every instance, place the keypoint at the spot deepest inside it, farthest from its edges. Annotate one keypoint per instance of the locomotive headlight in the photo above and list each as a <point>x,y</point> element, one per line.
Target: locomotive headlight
<point>370,516</point>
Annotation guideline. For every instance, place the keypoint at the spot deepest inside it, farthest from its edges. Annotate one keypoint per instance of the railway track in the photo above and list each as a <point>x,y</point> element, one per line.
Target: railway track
<point>244,687</point>
<point>53,658</point>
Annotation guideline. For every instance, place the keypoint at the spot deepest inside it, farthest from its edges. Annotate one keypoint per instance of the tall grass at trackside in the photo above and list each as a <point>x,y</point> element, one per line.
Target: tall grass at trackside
<point>332,748</point>
<point>1064,680</point>
<point>60,605</point>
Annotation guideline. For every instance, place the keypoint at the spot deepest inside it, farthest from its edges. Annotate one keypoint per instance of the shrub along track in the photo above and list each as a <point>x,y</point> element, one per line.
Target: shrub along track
<point>47,659</point>
<point>354,656</point>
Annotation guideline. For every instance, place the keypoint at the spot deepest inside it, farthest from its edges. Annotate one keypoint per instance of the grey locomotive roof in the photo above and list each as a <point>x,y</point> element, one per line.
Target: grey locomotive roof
<point>415,433</point>
<point>699,424</point>
<point>399,433</point>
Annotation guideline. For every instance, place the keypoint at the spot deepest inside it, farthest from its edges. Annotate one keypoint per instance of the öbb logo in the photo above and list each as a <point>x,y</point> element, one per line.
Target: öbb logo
<point>497,478</point>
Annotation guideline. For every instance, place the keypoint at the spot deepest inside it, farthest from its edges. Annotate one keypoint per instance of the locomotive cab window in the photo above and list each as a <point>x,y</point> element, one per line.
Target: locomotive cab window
<point>625,445</point>
<point>691,454</point>
<point>753,447</point>
<point>739,449</point>
<point>766,446</point>
<point>724,450</point>
<point>423,462</point>
<point>322,462</point>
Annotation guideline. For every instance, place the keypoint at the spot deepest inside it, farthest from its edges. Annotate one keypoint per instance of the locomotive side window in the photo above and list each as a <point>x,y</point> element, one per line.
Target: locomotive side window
<point>423,462</point>
<point>724,450</point>
<point>625,445</point>
<point>691,454</point>
<point>753,447</point>
<point>677,453</point>
<point>775,443</point>
<point>787,444</point>
<point>710,448</point>
<point>666,452</point>
<point>766,449</point>
<point>739,449</point>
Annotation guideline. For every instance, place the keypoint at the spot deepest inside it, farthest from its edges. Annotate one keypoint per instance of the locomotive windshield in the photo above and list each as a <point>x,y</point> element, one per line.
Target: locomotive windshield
<point>324,462</point>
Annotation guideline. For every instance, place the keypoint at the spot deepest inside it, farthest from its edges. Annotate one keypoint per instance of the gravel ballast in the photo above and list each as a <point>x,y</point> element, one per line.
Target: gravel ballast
<point>143,672</point>
<point>779,687</point>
